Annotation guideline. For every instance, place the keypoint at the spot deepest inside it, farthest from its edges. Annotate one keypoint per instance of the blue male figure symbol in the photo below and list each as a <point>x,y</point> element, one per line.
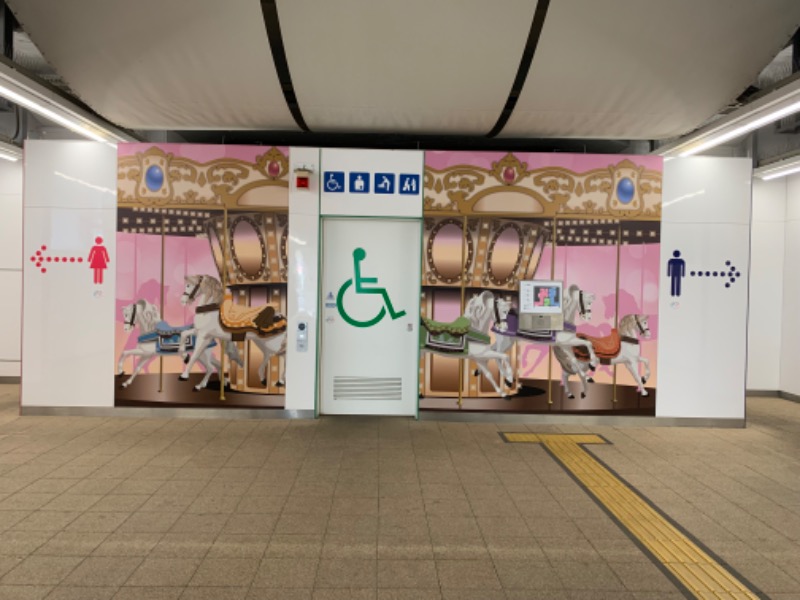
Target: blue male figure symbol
<point>676,269</point>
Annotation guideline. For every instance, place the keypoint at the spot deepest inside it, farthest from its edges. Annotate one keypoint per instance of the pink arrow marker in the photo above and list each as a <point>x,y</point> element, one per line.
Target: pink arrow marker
<point>38,258</point>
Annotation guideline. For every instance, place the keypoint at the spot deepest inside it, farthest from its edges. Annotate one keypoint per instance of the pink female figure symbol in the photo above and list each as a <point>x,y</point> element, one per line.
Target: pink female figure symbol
<point>98,260</point>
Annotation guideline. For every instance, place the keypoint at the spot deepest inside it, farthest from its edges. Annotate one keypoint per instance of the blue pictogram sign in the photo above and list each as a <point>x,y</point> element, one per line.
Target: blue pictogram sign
<point>359,183</point>
<point>333,182</point>
<point>408,184</point>
<point>384,183</point>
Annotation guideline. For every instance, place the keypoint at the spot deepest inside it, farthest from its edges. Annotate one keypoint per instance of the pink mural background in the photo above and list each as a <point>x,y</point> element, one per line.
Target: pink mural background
<point>139,255</point>
<point>593,268</point>
<point>139,277</point>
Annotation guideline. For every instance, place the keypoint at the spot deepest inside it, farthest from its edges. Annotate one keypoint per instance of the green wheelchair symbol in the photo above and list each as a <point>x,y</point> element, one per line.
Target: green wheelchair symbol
<point>359,254</point>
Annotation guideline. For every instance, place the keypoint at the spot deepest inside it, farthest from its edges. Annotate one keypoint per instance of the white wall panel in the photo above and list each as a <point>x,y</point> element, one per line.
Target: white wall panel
<point>702,332</point>
<point>10,321</point>
<point>766,285</point>
<point>10,267</point>
<point>10,215</point>
<point>301,366</point>
<point>68,320</point>
<point>790,322</point>
<point>706,189</point>
<point>72,175</point>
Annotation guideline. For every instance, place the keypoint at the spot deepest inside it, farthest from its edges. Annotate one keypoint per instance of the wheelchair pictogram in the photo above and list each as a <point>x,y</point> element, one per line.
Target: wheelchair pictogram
<point>334,181</point>
<point>359,254</point>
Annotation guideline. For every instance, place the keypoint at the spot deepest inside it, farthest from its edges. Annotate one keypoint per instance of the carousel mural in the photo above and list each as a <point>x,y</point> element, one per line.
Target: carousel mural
<point>540,282</point>
<point>201,275</point>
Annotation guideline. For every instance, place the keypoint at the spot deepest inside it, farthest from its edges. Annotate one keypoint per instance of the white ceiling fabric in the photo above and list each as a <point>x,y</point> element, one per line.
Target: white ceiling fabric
<point>413,66</point>
<point>645,69</point>
<point>163,64</point>
<point>614,69</point>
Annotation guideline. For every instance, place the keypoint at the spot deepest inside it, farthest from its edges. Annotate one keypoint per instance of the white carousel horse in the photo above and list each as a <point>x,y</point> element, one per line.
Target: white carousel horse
<point>576,303</point>
<point>149,344</point>
<point>478,347</point>
<point>626,351</point>
<point>208,293</point>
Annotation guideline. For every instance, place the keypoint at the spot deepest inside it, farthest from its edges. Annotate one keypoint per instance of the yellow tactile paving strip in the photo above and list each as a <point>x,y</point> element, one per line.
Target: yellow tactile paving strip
<point>700,573</point>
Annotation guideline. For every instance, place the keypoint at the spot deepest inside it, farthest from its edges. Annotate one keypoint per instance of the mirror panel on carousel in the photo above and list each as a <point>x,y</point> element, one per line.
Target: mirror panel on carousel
<point>580,233</point>
<point>203,265</point>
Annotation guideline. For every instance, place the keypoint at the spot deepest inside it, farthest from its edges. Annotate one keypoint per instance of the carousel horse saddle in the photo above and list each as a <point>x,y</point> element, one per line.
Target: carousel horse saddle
<point>449,337</point>
<point>605,348</point>
<point>168,338</point>
<point>240,320</point>
<point>458,327</point>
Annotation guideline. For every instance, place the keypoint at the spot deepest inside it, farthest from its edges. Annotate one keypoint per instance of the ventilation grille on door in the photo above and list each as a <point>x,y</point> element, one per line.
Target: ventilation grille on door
<point>367,388</point>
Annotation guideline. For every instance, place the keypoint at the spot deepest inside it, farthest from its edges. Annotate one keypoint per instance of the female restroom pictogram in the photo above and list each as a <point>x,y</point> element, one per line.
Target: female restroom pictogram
<point>98,260</point>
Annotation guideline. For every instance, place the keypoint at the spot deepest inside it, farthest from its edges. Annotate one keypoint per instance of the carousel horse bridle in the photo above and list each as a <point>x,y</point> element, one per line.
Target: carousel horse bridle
<point>132,320</point>
<point>191,295</point>
<point>642,330</point>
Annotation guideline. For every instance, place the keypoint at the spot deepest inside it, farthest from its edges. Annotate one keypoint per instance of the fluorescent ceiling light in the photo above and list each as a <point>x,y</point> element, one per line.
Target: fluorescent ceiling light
<point>780,168</point>
<point>771,107</point>
<point>24,91</point>
<point>10,152</point>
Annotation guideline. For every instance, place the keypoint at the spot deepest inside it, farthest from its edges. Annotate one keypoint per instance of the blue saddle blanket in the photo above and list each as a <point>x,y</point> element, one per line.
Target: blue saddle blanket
<point>168,338</point>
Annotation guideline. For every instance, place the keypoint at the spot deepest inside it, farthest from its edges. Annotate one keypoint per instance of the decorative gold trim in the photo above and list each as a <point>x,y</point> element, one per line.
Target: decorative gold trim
<point>553,191</point>
<point>189,184</point>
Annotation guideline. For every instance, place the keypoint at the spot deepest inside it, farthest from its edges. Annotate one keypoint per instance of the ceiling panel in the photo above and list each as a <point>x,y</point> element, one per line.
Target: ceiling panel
<point>414,66</point>
<point>155,64</point>
<point>645,69</point>
<point>616,69</point>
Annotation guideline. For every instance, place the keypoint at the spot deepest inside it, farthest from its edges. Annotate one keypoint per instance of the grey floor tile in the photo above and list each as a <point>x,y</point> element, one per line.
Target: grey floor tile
<point>164,572</point>
<point>215,593</point>
<point>119,503</point>
<point>238,546</point>
<point>398,573</point>
<point>127,544</point>
<point>103,571</point>
<point>24,592</point>
<point>279,594</point>
<point>82,593</point>
<point>467,574</point>
<point>225,572</point>
<point>98,522</point>
<point>409,594</point>
<point>344,594</point>
<point>41,570</point>
<point>346,573</point>
<point>67,543</point>
<point>22,543</point>
<point>527,574</point>
<point>350,546</point>
<point>148,593</point>
<point>280,573</point>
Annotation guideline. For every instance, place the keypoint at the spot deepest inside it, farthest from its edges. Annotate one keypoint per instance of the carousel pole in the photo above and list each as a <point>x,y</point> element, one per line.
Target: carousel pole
<point>616,304</point>
<point>463,284</point>
<point>161,306</point>
<point>224,286</point>
<point>550,348</point>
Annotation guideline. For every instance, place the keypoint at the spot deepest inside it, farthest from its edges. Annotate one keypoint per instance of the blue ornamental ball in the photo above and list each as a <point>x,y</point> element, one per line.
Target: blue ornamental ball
<point>625,190</point>
<point>154,178</point>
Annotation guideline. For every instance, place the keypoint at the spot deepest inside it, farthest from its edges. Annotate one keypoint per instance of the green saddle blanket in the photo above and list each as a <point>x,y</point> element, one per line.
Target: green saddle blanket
<point>458,327</point>
<point>449,337</point>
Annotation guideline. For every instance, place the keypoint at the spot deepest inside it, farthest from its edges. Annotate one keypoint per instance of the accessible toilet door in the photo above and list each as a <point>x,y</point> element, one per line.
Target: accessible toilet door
<point>369,363</point>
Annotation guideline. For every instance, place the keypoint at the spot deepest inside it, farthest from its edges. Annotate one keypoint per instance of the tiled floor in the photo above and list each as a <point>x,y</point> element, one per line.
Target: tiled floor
<point>100,508</point>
